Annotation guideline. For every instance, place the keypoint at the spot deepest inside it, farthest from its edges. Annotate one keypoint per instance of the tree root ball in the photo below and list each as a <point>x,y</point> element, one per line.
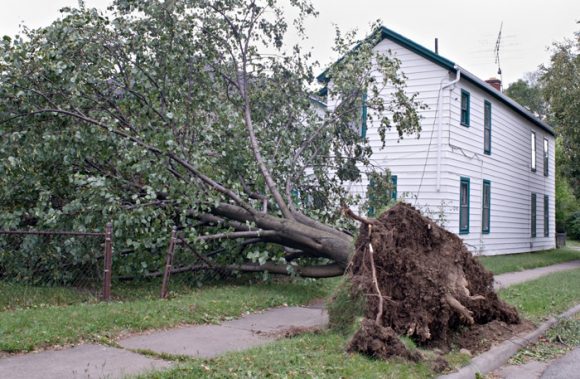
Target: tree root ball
<point>432,287</point>
<point>379,342</point>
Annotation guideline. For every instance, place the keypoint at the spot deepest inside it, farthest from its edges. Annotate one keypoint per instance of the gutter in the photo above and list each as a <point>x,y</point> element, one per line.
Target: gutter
<point>440,121</point>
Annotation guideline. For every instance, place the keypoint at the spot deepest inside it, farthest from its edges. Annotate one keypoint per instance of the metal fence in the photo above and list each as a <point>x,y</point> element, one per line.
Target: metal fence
<point>80,261</point>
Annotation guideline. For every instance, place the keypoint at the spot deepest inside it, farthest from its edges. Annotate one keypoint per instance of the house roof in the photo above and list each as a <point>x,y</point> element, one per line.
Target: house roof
<point>387,33</point>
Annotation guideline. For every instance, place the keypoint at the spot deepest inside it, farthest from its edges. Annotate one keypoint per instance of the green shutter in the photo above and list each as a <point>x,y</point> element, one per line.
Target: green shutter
<point>394,190</point>
<point>465,107</point>
<point>546,216</point>
<point>533,215</point>
<point>363,125</point>
<point>464,206</point>
<point>486,207</point>
<point>371,210</point>
<point>533,147</point>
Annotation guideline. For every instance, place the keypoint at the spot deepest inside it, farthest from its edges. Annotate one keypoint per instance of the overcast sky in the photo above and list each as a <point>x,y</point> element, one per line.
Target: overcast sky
<point>467,29</point>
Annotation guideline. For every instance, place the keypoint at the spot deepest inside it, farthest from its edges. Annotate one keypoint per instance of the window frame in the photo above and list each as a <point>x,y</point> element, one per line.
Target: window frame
<point>484,217</point>
<point>465,121</point>
<point>464,181</point>
<point>546,216</point>
<point>533,215</point>
<point>546,157</point>
<point>487,127</point>
<point>534,153</point>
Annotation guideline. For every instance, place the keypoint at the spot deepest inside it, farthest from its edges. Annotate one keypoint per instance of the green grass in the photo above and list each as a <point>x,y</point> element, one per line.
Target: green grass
<point>307,356</point>
<point>31,328</point>
<point>322,355</point>
<point>518,262</point>
<point>15,296</point>
<point>546,296</point>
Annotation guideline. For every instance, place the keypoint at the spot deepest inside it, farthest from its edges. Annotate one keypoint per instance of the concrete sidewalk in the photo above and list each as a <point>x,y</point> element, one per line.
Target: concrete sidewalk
<point>511,278</point>
<point>203,341</point>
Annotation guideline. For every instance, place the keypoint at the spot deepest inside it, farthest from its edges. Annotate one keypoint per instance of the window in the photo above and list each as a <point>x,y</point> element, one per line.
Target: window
<point>546,166</point>
<point>533,215</point>
<point>363,124</point>
<point>486,207</point>
<point>546,216</point>
<point>533,151</point>
<point>487,128</point>
<point>464,206</point>
<point>464,108</point>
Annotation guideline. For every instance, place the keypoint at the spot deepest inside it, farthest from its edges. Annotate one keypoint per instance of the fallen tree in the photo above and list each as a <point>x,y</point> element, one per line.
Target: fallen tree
<point>191,114</point>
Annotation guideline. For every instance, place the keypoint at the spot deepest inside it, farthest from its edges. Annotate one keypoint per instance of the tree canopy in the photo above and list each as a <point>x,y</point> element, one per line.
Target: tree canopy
<point>191,114</point>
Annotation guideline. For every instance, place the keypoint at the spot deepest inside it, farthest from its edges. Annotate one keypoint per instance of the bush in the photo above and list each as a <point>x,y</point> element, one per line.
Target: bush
<point>573,226</point>
<point>345,307</point>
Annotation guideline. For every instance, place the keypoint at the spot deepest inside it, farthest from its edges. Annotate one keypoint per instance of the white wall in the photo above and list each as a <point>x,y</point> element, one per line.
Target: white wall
<point>509,170</point>
<point>414,159</point>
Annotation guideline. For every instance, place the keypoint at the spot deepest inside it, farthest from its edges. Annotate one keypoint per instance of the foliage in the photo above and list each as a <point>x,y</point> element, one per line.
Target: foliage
<point>566,204</point>
<point>345,308</point>
<point>528,92</point>
<point>379,192</point>
<point>192,114</point>
<point>561,88</point>
<point>573,226</point>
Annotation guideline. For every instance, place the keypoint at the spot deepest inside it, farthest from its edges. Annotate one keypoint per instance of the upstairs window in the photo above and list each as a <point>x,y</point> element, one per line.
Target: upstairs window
<point>546,163</point>
<point>464,108</point>
<point>533,147</point>
<point>464,206</point>
<point>533,215</point>
<point>487,127</point>
<point>486,207</point>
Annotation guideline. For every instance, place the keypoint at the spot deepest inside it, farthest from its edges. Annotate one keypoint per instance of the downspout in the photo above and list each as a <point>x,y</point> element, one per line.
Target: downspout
<point>440,122</point>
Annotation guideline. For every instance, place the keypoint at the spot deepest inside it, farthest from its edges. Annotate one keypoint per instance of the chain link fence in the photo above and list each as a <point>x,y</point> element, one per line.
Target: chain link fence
<point>54,267</point>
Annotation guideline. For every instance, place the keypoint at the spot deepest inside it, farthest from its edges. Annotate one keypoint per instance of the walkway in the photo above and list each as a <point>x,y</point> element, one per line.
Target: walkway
<point>511,278</point>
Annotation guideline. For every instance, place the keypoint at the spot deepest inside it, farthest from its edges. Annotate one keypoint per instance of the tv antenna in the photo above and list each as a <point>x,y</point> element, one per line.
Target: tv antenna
<point>496,52</point>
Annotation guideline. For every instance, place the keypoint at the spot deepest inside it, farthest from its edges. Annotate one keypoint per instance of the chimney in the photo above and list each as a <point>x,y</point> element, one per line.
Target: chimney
<point>495,83</point>
<point>436,45</point>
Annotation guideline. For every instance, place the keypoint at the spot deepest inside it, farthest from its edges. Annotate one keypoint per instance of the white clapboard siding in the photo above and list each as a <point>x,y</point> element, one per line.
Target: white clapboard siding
<point>508,168</point>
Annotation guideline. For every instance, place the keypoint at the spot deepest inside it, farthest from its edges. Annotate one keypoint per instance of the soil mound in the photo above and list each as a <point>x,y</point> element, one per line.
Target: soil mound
<point>432,287</point>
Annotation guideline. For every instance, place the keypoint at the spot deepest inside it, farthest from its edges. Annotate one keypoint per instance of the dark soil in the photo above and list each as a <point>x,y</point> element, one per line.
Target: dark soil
<point>481,337</point>
<point>433,288</point>
<point>379,342</point>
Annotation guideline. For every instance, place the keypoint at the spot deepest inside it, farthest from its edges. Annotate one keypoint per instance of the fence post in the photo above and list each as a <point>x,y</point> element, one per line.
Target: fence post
<point>168,264</point>
<point>108,262</point>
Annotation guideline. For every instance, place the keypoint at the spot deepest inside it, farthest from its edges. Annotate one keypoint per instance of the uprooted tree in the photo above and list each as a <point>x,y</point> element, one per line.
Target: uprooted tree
<point>194,114</point>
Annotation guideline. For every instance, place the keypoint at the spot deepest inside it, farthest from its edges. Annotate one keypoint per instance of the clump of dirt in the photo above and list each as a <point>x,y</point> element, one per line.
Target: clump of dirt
<point>377,341</point>
<point>432,288</point>
<point>480,338</point>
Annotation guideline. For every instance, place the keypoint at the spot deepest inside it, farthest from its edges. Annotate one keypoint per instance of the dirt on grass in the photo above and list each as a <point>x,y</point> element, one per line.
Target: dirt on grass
<point>433,290</point>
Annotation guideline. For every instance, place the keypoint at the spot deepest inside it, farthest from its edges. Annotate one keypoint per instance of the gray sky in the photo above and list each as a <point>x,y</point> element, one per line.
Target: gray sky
<point>467,29</point>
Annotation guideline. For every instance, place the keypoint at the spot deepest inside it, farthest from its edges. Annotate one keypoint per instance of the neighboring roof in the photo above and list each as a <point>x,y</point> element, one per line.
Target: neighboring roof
<point>451,66</point>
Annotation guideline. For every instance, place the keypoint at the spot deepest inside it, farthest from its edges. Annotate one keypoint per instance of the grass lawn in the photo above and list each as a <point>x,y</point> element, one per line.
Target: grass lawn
<point>518,262</point>
<point>44,325</point>
<point>546,296</point>
<point>322,355</point>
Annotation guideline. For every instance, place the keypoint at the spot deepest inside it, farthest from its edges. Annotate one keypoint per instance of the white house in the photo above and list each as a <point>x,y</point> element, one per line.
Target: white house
<point>484,165</point>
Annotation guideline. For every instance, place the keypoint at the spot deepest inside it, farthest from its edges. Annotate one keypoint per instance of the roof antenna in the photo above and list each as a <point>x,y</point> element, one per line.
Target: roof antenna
<point>496,52</point>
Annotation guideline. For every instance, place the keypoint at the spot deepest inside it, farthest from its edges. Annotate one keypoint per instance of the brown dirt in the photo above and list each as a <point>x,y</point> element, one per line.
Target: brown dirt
<point>433,288</point>
<point>379,342</point>
<point>481,337</point>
